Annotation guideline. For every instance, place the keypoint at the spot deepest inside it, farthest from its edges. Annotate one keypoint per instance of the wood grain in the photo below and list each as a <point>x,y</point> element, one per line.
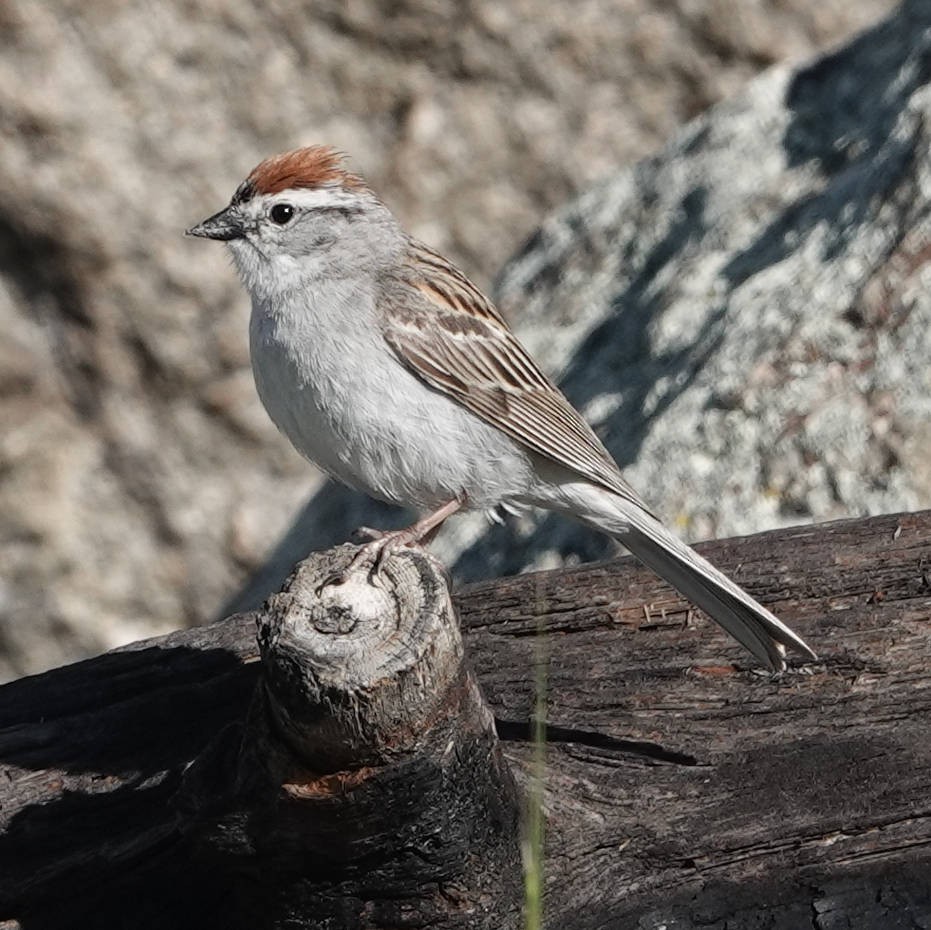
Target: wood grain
<point>684,788</point>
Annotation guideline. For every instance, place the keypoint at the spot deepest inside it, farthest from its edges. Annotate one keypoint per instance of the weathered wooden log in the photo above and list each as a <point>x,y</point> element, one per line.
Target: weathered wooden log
<point>365,788</point>
<point>683,787</point>
<point>370,790</point>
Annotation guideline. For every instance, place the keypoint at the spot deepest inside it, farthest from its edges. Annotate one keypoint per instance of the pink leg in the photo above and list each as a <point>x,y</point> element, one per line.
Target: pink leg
<point>385,543</point>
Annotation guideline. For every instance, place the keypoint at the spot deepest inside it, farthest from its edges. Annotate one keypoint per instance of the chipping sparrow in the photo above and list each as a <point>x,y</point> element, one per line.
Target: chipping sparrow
<point>386,366</point>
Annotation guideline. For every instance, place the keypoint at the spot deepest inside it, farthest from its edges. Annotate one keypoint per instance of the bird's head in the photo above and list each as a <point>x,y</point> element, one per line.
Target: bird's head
<point>301,216</point>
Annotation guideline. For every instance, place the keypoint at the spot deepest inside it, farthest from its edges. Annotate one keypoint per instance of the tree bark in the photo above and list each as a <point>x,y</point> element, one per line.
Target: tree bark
<point>364,788</point>
<point>369,790</point>
<point>684,788</point>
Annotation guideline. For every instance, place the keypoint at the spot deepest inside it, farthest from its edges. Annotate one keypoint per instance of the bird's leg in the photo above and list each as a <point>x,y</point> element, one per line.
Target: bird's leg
<point>416,534</point>
<point>383,543</point>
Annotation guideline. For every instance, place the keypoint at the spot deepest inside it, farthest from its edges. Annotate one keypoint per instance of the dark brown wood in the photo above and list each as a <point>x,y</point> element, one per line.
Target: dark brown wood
<point>365,786</point>
<point>369,788</point>
<point>683,787</point>
<point>687,789</point>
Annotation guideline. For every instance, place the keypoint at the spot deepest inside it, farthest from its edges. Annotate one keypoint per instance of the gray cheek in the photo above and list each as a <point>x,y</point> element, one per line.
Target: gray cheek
<point>312,235</point>
<point>318,242</point>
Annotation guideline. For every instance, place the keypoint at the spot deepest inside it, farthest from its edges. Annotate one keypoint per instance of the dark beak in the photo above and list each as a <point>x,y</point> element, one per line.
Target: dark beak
<point>225,225</point>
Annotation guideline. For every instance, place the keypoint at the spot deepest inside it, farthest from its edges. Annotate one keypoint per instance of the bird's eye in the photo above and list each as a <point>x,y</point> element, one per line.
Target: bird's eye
<point>281,213</point>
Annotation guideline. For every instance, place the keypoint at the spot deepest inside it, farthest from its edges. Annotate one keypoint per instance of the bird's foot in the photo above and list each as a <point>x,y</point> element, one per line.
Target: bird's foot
<point>367,534</point>
<point>381,544</point>
<point>370,558</point>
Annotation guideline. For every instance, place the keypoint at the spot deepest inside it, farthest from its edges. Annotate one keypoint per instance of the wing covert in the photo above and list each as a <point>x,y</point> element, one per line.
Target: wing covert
<point>444,329</point>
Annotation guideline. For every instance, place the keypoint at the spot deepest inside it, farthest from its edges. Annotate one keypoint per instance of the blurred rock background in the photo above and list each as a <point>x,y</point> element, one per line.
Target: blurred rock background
<point>141,484</point>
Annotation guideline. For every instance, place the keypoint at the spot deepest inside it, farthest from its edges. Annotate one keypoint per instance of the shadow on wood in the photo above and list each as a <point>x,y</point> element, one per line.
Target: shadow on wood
<point>365,787</point>
<point>684,788</point>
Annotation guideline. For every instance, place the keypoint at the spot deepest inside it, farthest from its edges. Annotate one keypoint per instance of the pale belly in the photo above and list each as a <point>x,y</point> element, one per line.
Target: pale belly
<point>364,419</point>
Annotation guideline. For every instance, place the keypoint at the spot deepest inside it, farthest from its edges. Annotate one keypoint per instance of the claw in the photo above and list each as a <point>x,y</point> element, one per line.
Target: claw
<point>366,534</point>
<point>336,578</point>
<point>373,551</point>
<point>381,544</point>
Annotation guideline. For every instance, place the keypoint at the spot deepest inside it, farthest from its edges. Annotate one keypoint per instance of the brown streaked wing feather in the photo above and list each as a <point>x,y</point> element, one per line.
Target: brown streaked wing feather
<point>434,271</point>
<point>444,329</point>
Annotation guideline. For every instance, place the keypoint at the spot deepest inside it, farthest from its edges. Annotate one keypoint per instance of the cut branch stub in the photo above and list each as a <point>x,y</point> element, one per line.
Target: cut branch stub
<point>369,789</point>
<point>355,671</point>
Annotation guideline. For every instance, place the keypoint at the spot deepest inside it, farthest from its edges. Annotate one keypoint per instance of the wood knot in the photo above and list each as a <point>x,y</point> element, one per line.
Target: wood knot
<point>353,668</point>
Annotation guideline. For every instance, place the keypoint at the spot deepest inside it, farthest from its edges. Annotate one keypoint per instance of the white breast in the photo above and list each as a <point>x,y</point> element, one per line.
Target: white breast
<point>334,387</point>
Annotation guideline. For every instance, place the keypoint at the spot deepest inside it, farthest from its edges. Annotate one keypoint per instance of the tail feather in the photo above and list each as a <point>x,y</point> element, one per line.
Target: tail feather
<point>749,622</point>
<point>626,519</point>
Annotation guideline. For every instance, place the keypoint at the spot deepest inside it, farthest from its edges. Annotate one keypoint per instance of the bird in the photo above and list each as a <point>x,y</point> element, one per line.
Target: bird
<point>385,366</point>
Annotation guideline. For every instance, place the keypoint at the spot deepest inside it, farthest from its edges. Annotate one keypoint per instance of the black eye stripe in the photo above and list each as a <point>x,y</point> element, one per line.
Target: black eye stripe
<point>341,211</point>
<point>282,213</point>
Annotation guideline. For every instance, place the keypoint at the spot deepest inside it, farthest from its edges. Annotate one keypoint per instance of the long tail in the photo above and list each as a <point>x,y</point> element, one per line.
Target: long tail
<point>749,622</point>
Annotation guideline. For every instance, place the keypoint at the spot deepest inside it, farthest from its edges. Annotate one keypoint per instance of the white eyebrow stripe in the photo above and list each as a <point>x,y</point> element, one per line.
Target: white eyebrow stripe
<point>318,198</point>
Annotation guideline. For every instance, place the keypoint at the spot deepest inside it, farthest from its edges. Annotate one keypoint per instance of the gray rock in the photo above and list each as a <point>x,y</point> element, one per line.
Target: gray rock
<point>749,312</point>
<point>140,482</point>
<point>747,315</point>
